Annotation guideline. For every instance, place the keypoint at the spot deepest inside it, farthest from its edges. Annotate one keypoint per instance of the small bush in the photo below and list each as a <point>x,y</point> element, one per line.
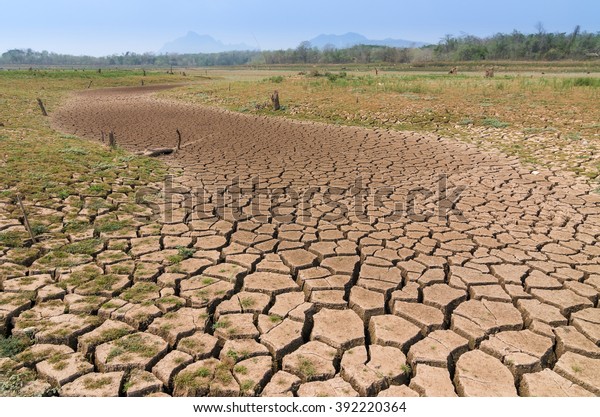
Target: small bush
<point>586,82</point>
<point>11,346</point>
<point>495,123</point>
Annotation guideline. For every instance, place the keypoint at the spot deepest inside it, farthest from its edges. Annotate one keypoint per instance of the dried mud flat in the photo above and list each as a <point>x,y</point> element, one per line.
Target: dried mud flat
<point>302,259</point>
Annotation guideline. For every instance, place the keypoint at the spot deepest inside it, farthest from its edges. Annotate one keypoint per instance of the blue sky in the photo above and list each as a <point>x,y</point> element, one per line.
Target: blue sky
<point>102,27</point>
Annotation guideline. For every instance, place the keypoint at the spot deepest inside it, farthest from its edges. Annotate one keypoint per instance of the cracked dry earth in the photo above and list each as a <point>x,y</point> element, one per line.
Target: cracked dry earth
<point>300,259</point>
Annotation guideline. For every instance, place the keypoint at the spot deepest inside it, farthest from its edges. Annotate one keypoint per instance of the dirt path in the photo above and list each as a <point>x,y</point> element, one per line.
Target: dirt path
<point>344,260</point>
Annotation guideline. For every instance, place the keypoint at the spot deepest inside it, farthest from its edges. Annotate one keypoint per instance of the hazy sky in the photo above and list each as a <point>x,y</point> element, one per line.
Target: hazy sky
<point>101,27</point>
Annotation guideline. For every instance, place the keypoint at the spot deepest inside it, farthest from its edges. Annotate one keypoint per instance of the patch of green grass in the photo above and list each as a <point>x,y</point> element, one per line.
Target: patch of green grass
<point>140,292</point>
<point>223,323</point>
<point>208,280</point>
<point>192,379</point>
<point>247,302</point>
<point>306,367</point>
<point>178,302</point>
<point>183,253</point>
<point>13,345</point>
<point>76,226</point>
<point>10,386</point>
<point>240,369</point>
<point>74,150</point>
<point>98,284</point>
<point>93,384</point>
<point>406,369</point>
<point>233,355</point>
<point>13,239</point>
<point>84,247</point>
<point>39,229</point>
<point>275,318</point>
<point>581,82</point>
<point>465,122</point>
<point>247,385</point>
<point>491,122</point>
<point>79,277</point>
<point>24,256</point>
<point>575,136</point>
<point>131,344</point>
<point>223,373</point>
<point>110,334</point>
<point>110,225</point>
<point>275,79</point>
<point>58,361</point>
<point>58,259</point>
<point>98,189</point>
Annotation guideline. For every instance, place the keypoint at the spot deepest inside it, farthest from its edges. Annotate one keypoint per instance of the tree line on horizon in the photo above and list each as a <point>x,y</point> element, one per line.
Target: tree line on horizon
<point>540,46</point>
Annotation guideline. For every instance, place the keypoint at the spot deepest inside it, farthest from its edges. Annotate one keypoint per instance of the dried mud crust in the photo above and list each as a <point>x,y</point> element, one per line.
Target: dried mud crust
<point>487,287</point>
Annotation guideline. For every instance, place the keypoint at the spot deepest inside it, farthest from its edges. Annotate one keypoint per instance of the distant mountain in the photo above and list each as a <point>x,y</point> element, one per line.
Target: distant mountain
<point>351,39</point>
<point>192,43</point>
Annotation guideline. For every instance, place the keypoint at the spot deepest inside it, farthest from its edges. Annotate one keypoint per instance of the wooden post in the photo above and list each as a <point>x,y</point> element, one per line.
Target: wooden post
<point>178,140</point>
<point>99,70</point>
<point>41,104</point>
<point>275,100</point>
<point>112,141</point>
<point>25,219</point>
<point>142,83</point>
<point>102,138</point>
<point>90,84</point>
<point>144,72</point>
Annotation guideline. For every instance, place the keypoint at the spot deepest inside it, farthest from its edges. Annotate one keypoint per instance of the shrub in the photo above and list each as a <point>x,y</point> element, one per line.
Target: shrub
<point>495,123</point>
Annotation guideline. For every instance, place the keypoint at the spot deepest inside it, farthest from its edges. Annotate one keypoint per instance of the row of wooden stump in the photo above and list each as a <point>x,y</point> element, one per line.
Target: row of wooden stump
<point>489,72</point>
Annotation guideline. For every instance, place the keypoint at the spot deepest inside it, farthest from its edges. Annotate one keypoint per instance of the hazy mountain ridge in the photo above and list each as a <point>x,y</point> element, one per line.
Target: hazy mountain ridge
<point>193,43</point>
<point>350,39</point>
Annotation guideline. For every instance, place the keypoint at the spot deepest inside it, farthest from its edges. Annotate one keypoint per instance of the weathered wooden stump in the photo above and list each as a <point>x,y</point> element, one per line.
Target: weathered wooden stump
<point>489,73</point>
<point>112,141</point>
<point>453,71</point>
<point>275,100</point>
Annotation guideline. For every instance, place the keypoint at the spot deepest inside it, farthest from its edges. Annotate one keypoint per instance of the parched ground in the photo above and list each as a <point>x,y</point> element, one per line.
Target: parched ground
<point>291,258</point>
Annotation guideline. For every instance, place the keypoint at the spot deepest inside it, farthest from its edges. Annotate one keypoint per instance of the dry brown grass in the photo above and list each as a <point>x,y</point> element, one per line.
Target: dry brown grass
<point>550,119</point>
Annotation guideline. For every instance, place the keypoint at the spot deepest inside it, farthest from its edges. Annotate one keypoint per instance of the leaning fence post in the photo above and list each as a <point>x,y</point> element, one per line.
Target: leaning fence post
<point>25,219</point>
<point>178,139</point>
<point>41,104</point>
